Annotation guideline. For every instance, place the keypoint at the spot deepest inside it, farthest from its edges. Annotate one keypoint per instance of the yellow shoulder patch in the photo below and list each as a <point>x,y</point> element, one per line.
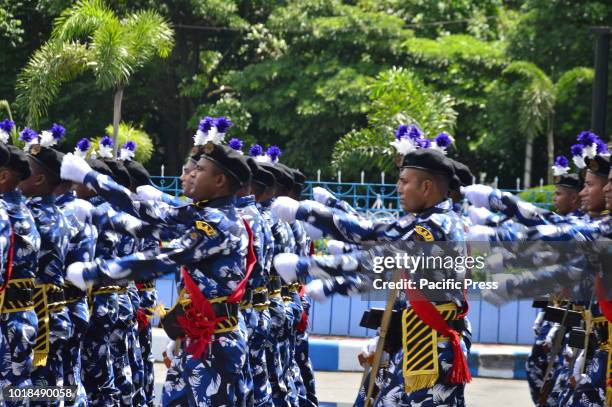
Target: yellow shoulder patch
<point>206,228</point>
<point>424,233</point>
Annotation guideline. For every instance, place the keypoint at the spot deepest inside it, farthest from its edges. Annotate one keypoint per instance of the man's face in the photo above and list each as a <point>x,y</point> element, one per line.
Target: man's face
<point>30,186</point>
<point>608,193</point>
<point>565,199</point>
<point>187,168</point>
<point>592,194</point>
<point>205,180</point>
<point>411,190</point>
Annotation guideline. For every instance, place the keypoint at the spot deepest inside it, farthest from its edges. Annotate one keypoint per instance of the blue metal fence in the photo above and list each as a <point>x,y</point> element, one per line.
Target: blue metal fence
<point>510,324</point>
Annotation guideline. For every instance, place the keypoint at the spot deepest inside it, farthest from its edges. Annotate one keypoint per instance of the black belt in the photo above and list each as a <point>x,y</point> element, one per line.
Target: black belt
<point>226,309</point>
<point>274,284</point>
<point>55,297</point>
<point>22,295</point>
<point>247,299</point>
<point>73,293</point>
<point>285,291</point>
<point>174,330</point>
<point>570,318</point>
<point>260,298</point>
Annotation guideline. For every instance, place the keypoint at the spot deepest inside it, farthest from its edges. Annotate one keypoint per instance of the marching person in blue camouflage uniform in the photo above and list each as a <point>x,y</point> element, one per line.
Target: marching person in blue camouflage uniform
<point>281,311</point>
<point>18,320</point>
<point>83,239</point>
<point>423,189</point>
<point>147,300</point>
<point>97,373</point>
<point>215,347</point>
<point>54,324</point>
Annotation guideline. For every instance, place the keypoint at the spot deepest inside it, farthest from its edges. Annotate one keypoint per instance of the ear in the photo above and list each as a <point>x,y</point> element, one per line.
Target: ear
<point>40,179</point>
<point>221,179</point>
<point>4,176</point>
<point>427,186</point>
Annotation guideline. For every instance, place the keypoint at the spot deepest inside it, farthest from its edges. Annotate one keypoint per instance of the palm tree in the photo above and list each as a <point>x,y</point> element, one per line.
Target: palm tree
<point>537,112</point>
<point>89,37</point>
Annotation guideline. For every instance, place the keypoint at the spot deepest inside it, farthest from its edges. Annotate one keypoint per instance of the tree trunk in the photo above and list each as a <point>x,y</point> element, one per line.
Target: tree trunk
<point>117,118</point>
<point>528,161</point>
<point>550,146</point>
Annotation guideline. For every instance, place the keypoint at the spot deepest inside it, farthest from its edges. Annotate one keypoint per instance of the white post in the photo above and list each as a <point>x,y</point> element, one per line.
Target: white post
<point>518,184</point>
<point>541,183</point>
<point>339,177</point>
<point>382,177</point>
<point>362,177</point>
<point>162,170</point>
<point>483,176</point>
<point>495,181</point>
<point>318,175</point>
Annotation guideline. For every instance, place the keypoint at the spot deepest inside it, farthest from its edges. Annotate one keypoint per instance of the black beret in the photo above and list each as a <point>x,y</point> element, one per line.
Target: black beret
<point>280,176</point>
<point>229,161</point>
<point>49,159</point>
<point>572,181</point>
<point>288,173</point>
<point>139,174</point>
<point>463,173</point>
<point>18,161</point>
<point>598,165</point>
<point>99,166</point>
<point>429,160</point>
<point>120,174</point>
<point>260,175</point>
<point>299,179</point>
<point>5,155</point>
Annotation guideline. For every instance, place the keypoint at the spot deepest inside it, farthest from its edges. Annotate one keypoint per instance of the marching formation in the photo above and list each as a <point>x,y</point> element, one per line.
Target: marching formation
<point>83,236</point>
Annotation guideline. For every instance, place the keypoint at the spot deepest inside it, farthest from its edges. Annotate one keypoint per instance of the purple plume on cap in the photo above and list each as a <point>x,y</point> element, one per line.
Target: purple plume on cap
<point>83,144</point>
<point>255,150</point>
<point>130,145</point>
<point>424,142</point>
<point>401,131</point>
<point>7,125</point>
<point>206,124</point>
<point>58,131</point>
<point>577,150</point>
<point>106,141</point>
<point>274,152</point>
<point>235,143</point>
<point>602,148</point>
<point>561,161</point>
<point>222,124</point>
<point>586,138</point>
<point>28,135</point>
<point>443,140</point>
<point>414,132</point>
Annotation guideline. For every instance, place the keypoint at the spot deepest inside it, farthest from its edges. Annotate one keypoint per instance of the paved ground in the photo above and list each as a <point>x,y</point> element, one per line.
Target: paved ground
<point>339,389</point>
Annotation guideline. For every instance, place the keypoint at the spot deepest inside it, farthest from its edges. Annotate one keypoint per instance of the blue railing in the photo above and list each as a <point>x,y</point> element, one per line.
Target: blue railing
<point>510,324</point>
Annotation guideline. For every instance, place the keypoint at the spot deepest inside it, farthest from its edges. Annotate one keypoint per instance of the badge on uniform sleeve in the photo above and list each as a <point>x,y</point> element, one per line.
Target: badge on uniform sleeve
<point>206,228</point>
<point>35,149</point>
<point>424,233</point>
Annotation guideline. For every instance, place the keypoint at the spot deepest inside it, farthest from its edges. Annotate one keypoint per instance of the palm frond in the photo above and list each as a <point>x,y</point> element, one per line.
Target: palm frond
<point>567,83</point>
<point>111,57</point>
<point>148,34</point>
<point>81,20</point>
<point>48,68</point>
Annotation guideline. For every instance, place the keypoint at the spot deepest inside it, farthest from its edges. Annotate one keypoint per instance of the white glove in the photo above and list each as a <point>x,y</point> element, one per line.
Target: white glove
<point>335,247</point>
<point>479,215</point>
<point>74,274</point>
<point>315,290</point>
<point>478,194</point>
<point>313,233</point>
<point>74,168</point>
<point>82,210</point>
<point>479,233</point>
<point>321,195</point>
<point>285,264</point>
<point>285,208</point>
<point>148,193</point>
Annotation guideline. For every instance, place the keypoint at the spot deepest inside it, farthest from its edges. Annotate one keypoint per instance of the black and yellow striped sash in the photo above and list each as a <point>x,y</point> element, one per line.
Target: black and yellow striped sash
<point>48,298</point>
<point>17,296</point>
<point>420,346</point>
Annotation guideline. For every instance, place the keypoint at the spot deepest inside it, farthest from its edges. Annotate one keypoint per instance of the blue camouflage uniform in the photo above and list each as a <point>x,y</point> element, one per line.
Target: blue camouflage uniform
<point>214,378</point>
<point>54,324</point>
<point>256,314</point>
<point>98,374</point>
<point>18,322</point>
<point>83,238</point>
<point>438,223</point>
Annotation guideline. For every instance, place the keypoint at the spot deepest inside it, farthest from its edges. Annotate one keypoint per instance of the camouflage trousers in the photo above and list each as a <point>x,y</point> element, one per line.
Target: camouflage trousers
<point>18,333</point>
<point>119,349</point>
<point>52,373</point>
<point>98,376</point>
<point>79,315</point>
<point>273,346</point>
<point>145,337</point>
<point>591,387</point>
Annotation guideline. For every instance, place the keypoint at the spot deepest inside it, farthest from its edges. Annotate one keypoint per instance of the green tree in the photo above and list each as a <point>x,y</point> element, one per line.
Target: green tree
<point>396,97</point>
<point>537,112</point>
<point>90,37</point>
